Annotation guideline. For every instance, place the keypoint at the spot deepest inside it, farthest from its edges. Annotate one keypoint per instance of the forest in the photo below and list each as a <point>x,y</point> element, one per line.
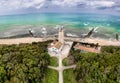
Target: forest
<point>97,68</point>
<point>27,63</point>
<point>24,63</point>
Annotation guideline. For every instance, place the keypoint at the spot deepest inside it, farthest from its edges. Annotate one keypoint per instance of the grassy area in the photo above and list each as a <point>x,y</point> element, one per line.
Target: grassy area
<point>53,61</point>
<point>51,76</point>
<point>69,76</point>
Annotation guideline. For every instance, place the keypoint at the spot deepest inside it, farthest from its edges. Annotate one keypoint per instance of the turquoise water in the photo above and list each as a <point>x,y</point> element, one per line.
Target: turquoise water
<point>76,21</point>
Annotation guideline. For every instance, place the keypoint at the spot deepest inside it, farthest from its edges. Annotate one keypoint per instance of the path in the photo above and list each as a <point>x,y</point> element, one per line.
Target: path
<point>60,68</point>
<point>61,56</point>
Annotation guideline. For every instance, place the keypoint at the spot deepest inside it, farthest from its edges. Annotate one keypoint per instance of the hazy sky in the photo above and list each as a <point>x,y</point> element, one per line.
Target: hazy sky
<point>28,6</point>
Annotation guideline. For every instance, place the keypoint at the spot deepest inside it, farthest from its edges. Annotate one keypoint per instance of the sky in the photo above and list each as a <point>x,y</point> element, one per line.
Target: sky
<point>33,6</point>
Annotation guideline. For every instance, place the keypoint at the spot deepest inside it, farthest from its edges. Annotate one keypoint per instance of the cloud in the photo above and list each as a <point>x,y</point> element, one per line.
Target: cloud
<point>19,4</point>
<point>86,3</point>
<point>7,5</point>
<point>98,4</point>
<point>67,3</point>
<point>34,3</point>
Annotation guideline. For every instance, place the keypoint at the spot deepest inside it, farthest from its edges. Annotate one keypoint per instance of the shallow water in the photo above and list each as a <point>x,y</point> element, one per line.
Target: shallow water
<point>107,25</point>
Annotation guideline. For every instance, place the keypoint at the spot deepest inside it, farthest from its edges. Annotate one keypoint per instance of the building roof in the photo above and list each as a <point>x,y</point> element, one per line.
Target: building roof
<point>88,49</point>
<point>55,44</point>
<point>58,45</point>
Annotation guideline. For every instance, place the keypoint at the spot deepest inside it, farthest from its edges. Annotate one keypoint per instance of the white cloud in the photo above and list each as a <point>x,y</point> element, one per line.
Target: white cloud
<point>38,4</point>
<point>35,3</point>
<point>14,4</point>
<point>9,4</point>
<point>95,4</point>
<point>18,4</point>
<point>67,3</point>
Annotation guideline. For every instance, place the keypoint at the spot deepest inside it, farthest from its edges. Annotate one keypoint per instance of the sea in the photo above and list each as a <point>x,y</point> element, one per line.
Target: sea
<point>106,26</point>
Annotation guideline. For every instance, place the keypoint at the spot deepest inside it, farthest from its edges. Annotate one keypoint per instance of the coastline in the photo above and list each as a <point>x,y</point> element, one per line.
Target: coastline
<point>102,42</point>
<point>23,31</point>
<point>20,40</point>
